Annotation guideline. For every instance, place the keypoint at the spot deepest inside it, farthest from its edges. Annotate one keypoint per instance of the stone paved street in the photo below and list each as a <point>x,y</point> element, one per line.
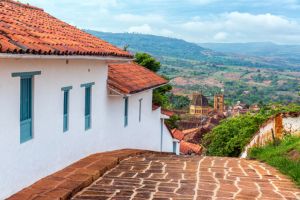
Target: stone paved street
<point>171,177</point>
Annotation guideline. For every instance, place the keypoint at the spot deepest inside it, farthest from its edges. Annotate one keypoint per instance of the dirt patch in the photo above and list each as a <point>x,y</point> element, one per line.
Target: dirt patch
<point>232,76</point>
<point>180,81</point>
<point>212,82</point>
<point>294,155</point>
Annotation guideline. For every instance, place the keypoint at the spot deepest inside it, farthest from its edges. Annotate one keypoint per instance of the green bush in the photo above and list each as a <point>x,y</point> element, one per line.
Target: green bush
<point>231,136</point>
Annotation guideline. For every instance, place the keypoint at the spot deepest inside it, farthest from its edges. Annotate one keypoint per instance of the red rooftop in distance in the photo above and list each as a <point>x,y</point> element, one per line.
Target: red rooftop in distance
<point>130,78</point>
<point>22,32</point>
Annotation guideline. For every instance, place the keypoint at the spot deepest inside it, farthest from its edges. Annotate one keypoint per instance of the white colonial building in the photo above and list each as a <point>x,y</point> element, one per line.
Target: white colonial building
<point>61,100</point>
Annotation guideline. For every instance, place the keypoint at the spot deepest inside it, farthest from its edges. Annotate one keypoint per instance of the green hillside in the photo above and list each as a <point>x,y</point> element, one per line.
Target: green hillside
<point>159,46</point>
<point>194,68</point>
<point>285,55</point>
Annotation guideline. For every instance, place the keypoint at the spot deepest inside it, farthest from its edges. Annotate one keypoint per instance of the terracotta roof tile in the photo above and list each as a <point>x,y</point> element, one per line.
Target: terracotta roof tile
<point>130,78</point>
<point>189,148</point>
<point>26,29</point>
<point>155,107</point>
<point>177,134</point>
<point>190,131</point>
<point>167,112</point>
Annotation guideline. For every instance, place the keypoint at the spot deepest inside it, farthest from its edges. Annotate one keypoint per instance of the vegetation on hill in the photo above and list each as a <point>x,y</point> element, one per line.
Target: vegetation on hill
<point>231,136</point>
<point>192,68</point>
<point>268,50</point>
<point>159,94</point>
<point>160,46</point>
<point>285,157</point>
<point>147,61</point>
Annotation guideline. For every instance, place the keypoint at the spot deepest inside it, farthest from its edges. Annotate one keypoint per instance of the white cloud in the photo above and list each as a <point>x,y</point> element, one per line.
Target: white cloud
<point>145,28</point>
<point>131,18</point>
<point>202,2</point>
<point>192,20</point>
<point>237,27</point>
<point>221,36</point>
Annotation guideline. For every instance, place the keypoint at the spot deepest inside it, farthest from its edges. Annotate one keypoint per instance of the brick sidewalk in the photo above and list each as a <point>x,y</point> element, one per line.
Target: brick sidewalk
<point>172,177</point>
<point>66,183</point>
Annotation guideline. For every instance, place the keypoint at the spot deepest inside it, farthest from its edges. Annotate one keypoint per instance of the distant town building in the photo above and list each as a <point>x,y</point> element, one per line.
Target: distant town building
<point>254,108</point>
<point>199,106</point>
<point>219,103</point>
<point>239,108</point>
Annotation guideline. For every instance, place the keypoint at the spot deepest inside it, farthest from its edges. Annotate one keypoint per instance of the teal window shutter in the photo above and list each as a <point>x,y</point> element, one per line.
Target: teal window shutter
<point>174,147</point>
<point>66,111</point>
<point>26,103</point>
<point>26,109</point>
<point>66,91</point>
<point>87,106</point>
<point>126,112</point>
<point>140,110</point>
<point>88,91</point>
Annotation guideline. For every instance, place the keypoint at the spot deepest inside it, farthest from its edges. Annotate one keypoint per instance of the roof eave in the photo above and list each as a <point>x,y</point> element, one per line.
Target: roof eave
<point>122,93</point>
<point>71,57</point>
<point>149,88</point>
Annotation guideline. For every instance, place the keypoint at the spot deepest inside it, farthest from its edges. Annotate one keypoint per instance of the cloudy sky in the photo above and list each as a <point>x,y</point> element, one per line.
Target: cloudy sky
<point>193,20</point>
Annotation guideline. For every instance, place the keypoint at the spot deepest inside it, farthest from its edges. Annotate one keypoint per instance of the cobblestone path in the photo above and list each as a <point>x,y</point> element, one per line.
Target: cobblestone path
<point>178,177</point>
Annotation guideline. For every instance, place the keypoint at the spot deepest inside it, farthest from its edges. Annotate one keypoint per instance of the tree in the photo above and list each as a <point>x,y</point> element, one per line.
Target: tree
<point>172,122</point>
<point>147,61</point>
<point>159,95</point>
<point>231,136</point>
<point>125,48</point>
<point>178,101</point>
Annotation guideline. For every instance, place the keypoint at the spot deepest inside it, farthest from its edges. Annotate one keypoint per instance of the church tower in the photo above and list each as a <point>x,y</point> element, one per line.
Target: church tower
<point>219,103</point>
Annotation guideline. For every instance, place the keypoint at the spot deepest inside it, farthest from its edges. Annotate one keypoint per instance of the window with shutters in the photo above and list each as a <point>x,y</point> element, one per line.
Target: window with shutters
<point>126,111</point>
<point>66,99</point>
<point>140,110</point>
<point>26,104</point>
<point>88,105</point>
<point>87,109</point>
<point>26,109</point>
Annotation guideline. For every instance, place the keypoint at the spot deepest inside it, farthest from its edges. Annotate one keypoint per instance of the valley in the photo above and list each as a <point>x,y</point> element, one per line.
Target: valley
<point>248,77</point>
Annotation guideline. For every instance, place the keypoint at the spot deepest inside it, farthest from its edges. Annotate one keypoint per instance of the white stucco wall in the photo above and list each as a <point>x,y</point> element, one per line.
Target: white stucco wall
<point>263,136</point>
<point>51,149</point>
<point>291,125</point>
<point>145,134</point>
<point>168,140</point>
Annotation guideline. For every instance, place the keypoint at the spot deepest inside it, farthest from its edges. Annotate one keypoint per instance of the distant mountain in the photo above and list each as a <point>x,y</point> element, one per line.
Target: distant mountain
<point>254,77</point>
<point>165,47</point>
<point>269,50</point>
<point>156,45</point>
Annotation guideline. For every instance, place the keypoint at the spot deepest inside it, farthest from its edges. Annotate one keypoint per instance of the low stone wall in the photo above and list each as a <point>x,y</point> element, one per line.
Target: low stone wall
<point>291,123</point>
<point>275,127</point>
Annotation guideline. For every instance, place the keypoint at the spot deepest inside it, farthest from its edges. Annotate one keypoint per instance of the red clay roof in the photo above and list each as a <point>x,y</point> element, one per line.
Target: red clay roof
<point>130,78</point>
<point>26,29</point>
<point>177,134</point>
<point>163,111</point>
<point>155,107</point>
<point>167,112</point>
<point>189,148</point>
<point>190,131</point>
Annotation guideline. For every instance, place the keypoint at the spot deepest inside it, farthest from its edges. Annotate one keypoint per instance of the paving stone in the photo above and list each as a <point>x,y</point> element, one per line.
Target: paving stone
<point>162,176</point>
<point>69,181</point>
<point>182,177</point>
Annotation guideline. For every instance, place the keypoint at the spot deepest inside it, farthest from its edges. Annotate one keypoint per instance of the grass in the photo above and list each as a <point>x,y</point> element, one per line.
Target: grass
<point>280,157</point>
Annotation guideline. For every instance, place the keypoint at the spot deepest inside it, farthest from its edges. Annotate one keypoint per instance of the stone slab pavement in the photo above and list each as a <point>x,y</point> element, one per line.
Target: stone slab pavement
<point>159,176</point>
<point>65,183</point>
